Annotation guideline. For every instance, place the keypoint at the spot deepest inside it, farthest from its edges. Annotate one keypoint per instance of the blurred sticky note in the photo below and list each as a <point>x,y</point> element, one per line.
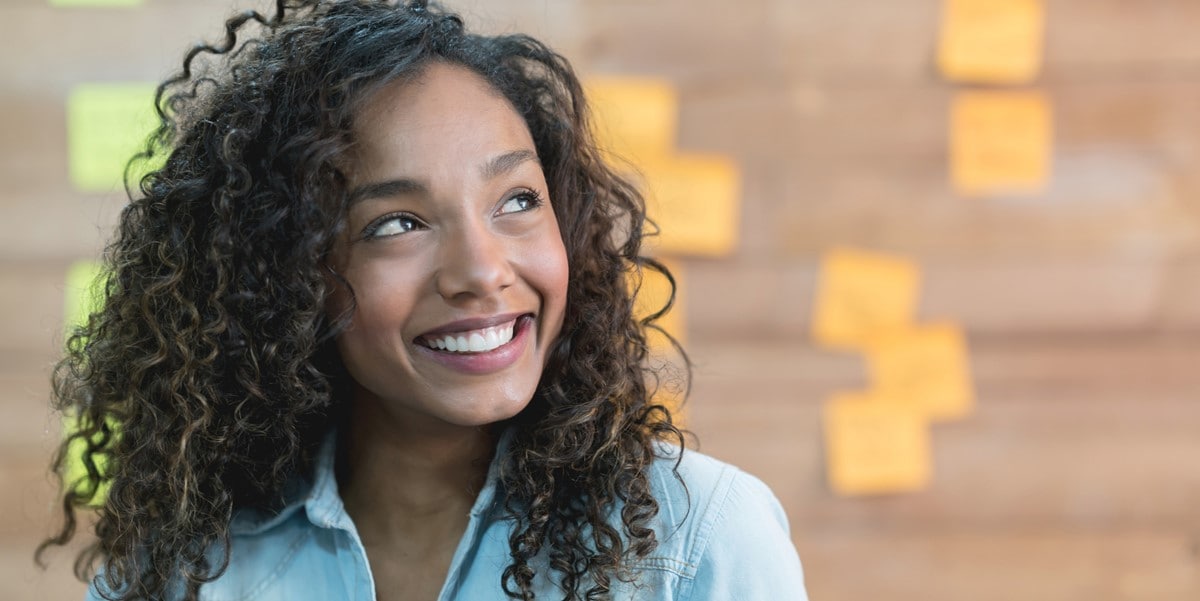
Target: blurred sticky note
<point>82,293</point>
<point>1000,142</point>
<point>107,124</point>
<point>652,296</point>
<point>695,200</point>
<point>991,41</point>
<point>75,472</point>
<point>875,447</point>
<point>925,368</point>
<point>633,118</point>
<point>861,292</point>
<point>98,3</point>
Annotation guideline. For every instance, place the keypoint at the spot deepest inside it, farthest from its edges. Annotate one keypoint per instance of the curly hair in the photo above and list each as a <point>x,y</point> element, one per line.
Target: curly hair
<point>208,376</point>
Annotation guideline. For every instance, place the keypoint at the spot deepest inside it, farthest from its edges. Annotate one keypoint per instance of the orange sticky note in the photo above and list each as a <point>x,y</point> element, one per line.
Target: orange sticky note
<point>991,41</point>
<point>695,200</point>
<point>924,367</point>
<point>861,292</point>
<point>875,447</point>
<point>1000,142</point>
<point>633,118</point>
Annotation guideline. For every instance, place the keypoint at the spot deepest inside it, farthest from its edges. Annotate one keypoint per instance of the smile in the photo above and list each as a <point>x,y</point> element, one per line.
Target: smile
<point>472,341</point>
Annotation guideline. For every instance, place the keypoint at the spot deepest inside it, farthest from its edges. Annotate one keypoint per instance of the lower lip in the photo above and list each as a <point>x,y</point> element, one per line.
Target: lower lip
<point>484,363</point>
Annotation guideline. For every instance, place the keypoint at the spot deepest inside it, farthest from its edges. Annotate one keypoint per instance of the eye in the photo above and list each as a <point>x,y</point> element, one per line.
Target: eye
<point>525,200</point>
<point>391,225</point>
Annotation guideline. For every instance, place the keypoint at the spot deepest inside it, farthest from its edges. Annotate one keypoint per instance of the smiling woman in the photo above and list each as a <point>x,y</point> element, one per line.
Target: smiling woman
<point>367,335</point>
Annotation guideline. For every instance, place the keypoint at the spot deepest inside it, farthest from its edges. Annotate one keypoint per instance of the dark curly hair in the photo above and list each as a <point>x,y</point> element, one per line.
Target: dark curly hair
<point>209,375</point>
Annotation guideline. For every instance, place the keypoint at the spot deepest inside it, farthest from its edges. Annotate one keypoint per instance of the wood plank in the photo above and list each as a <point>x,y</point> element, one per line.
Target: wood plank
<point>707,41</point>
<point>31,307</point>
<point>21,580</point>
<point>772,299</point>
<point>1038,450</point>
<point>1000,565</point>
<point>1111,38</point>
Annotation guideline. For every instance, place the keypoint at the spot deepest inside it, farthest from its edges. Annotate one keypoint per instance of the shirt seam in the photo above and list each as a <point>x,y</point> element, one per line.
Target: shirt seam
<point>284,562</point>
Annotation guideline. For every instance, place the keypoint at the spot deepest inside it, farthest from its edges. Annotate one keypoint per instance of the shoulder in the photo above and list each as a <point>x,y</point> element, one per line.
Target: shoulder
<point>725,529</point>
<point>288,558</point>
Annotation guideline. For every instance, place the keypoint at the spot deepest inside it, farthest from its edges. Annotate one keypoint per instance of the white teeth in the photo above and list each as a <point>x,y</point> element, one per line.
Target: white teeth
<point>474,341</point>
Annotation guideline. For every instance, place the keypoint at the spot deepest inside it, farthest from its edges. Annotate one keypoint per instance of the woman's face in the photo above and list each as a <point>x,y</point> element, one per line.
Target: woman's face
<point>453,252</point>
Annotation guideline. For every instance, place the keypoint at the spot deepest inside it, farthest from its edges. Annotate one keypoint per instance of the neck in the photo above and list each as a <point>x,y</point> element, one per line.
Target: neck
<point>405,481</point>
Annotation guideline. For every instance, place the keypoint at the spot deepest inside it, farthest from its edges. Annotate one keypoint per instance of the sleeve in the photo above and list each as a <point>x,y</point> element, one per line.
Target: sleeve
<point>749,555</point>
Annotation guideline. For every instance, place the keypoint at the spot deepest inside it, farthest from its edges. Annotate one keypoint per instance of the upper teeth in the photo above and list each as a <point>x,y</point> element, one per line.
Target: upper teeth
<point>474,341</point>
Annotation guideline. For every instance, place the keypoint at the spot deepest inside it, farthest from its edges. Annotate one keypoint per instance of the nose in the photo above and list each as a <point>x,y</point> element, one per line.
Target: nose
<point>475,263</point>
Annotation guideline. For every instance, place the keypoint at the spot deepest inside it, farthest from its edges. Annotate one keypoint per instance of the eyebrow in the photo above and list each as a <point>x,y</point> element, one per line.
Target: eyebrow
<point>491,170</point>
<point>507,162</point>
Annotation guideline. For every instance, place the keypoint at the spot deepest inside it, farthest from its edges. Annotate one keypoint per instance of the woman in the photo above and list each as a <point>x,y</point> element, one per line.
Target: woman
<point>367,336</point>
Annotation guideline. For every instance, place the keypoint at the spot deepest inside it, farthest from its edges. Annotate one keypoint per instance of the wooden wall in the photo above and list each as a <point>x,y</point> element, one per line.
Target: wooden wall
<point>1078,475</point>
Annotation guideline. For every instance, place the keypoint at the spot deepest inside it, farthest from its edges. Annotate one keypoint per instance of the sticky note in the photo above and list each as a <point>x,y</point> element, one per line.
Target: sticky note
<point>107,124</point>
<point>633,118</point>
<point>991,41</point>
<point>82,293</point>
<point>75,474</point>
<point>651,296</point>
<point>860,292</point>
<point>1000,142</point>
<point>98,3</point>
<point>874,447</point>
<point>925,368</point>
<point>82,296</point>
<point>695,200</point>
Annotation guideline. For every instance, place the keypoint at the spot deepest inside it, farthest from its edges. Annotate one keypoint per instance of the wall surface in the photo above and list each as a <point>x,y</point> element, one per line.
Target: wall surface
<point>1078,474</point>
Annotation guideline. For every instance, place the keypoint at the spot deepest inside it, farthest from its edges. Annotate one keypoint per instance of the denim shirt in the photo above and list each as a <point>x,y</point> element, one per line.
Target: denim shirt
<point>725,538</point>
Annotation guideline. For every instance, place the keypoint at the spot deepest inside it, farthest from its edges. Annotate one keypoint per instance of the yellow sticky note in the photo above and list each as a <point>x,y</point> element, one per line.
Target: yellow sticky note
<point>83,295</point>
<point>874,447</point>
<point>107,124</point>
<point>991,41</point>
<point>652,296</point>
<point>861,292</point>
<point>1000,142</point>
<point>695,200</point>
<point>633,118</point>
<point>98,3</point>
<point>925,368</point>
<point>649,298</point>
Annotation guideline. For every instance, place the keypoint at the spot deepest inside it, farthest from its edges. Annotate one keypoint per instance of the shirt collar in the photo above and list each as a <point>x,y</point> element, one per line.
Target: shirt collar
<point>323,505</point>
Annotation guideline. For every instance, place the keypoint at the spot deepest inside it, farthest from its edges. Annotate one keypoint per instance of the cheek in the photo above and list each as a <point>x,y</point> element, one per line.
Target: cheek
<point>555,272</point>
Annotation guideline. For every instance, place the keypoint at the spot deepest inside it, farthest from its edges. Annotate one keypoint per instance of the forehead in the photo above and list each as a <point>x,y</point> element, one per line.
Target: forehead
<point>447,116</point>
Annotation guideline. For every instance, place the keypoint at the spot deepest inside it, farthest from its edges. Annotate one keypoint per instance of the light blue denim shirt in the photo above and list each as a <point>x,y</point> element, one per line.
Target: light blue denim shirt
<point>724,539</point>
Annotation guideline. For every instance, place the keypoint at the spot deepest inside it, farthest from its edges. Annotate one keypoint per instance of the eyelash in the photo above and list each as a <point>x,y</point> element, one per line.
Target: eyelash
<point>369,231</point>
<point>532,198</point>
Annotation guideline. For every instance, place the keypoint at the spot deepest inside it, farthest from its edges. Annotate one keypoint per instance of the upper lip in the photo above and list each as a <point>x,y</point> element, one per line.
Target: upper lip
<point>474,323</point>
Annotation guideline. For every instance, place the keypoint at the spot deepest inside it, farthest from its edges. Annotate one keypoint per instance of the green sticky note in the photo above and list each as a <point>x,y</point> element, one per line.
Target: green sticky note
<point>100,3</point>
<point>106,125</point>
<point>83,294</point>
<point>83,289</point>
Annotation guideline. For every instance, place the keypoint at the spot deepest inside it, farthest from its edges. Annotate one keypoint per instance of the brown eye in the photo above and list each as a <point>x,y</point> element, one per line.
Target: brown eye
<point>523,201</point>
<point>391,225</point>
